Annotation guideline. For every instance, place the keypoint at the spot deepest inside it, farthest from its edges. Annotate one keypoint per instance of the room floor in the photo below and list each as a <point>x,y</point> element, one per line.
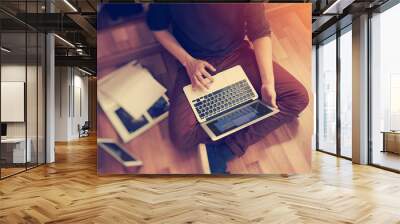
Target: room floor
<point>69,191</point>
<point>8,171</point>
<point>387,159</point>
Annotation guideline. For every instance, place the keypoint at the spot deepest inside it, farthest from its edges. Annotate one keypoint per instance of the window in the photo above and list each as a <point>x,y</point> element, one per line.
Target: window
<point>346,92</point>
<point>327,96</point>
<point>314,90</point>
<point>385,88</point>
<point>22,77</point>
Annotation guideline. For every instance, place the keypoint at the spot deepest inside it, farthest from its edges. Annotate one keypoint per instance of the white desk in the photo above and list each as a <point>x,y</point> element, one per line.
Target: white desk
<point>19,149</point>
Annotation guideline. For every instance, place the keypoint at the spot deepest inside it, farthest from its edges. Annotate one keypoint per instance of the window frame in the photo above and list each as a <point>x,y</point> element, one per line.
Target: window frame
<point>381,9</point>
<point>334,37</point>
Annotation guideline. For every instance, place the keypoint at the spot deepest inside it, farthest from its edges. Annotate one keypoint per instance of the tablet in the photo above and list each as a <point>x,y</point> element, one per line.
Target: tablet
<point>119,153</point>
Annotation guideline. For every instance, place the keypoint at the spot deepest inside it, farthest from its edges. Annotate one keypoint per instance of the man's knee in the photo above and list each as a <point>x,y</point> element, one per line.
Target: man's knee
<point>177,141</point>
<point>181,132</point>
<point>179,137</point>
<point>296,100</point>
<point>175,134</point>
<point>302,99</point>
<point>181,123</point>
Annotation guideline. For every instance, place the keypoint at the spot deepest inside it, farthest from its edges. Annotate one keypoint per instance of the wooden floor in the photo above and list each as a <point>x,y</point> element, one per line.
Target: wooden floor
<point>287,149</point>
<point>386,159</point>
<point>70,191</point>
<point>10,171</point>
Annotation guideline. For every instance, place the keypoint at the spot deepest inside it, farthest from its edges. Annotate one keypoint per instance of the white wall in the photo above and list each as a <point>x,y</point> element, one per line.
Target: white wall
<point>16,73</point>
<point>10,73</point>
<point>80,110</point>
<point>61,103</point>
<point>33,127</point>
<point>71,94</point>
<point>13,72</point>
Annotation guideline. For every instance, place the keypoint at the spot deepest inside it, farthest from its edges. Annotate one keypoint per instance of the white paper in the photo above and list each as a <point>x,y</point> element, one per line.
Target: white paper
<point>133,88</point>
<point>109,107</point>
<point>105,102</point>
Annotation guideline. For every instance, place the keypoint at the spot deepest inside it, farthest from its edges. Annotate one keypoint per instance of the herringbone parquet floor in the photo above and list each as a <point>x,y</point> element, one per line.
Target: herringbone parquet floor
<point>70,191</point>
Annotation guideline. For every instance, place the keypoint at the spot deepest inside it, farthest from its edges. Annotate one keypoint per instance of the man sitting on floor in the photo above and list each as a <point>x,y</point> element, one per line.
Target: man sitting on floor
<point>207,39</point>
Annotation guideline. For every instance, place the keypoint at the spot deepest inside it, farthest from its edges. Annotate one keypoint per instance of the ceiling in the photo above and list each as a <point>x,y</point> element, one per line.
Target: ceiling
<point>72,20</point>
<point>336,15</point>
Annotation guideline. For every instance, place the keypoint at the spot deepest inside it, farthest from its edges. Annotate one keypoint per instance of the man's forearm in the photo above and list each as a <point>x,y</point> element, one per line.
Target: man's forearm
<point>172,45</point>
<point>263,52</point>
<point>197,70</point>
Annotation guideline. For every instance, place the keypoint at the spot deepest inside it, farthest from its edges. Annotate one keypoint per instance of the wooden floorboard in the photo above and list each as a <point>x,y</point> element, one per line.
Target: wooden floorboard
<point>69,191</point>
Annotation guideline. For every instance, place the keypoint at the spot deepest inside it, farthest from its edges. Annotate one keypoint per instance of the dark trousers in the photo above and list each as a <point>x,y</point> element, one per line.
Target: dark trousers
<point>292,98</point>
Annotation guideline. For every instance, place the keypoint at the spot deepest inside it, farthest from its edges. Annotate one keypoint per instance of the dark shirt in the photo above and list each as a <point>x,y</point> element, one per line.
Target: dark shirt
<point>210,30</point>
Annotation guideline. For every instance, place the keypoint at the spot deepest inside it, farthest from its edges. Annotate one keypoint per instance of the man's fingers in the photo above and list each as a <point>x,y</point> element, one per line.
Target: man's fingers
<point>196,84</point>
<point>193,81</point>
<point>274,104</point>
<point>272,101</point>
<point>210,66</point>
<point>207,75</point>
<point>200,82</point>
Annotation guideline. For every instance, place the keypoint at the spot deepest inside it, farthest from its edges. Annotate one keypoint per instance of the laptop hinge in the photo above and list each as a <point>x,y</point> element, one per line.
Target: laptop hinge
<point>229,110</point>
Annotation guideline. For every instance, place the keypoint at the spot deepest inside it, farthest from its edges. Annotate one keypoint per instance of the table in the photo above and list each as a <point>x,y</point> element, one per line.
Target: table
<point>18,151</point>
<point>391,141</point>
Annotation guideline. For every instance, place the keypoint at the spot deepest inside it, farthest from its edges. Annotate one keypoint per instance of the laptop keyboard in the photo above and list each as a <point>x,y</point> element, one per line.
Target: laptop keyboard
<point>223,99</point>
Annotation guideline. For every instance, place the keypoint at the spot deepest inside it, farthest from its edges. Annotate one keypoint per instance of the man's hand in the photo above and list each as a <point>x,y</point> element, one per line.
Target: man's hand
<point>198,74</point>
<point>269,95</point>
<point>263,52</point>
<point>196,69</point>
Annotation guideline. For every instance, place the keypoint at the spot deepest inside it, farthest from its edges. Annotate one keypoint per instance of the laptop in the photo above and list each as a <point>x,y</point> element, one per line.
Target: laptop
<point>229,105</point>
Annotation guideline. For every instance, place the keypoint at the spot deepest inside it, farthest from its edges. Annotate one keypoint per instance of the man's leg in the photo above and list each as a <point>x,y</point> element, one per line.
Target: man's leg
<point>185,131</point>
<point>292,99</point>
